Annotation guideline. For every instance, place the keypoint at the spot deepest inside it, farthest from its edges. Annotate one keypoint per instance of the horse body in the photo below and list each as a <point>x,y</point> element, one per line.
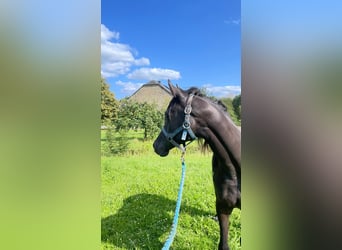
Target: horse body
<point>209,121</point>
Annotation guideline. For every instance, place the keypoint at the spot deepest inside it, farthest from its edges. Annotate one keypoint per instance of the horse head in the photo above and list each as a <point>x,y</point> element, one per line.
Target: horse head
<point>179,125</point>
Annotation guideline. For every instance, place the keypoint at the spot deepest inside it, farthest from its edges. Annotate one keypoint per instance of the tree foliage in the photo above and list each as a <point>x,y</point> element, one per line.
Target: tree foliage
<point>230,109</point>
<point>237,106</point>
<point>116,143</point>
<point>134,115</point>
<point>109,105</point>
<point>234,108</point>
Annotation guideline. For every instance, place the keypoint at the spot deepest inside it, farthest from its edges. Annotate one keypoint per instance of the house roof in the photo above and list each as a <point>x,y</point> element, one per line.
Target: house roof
<point>153,92</point>
<point>153,83</point>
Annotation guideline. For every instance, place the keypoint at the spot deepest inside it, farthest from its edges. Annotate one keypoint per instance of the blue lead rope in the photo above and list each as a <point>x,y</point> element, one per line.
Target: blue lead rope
<point>172,234</point>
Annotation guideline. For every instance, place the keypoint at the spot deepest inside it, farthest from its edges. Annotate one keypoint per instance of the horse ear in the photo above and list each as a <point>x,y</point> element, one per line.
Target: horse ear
<point>174,90</point>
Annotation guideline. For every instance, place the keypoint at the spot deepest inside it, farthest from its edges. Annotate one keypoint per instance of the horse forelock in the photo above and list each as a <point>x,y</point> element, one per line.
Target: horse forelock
<point>170,111</point>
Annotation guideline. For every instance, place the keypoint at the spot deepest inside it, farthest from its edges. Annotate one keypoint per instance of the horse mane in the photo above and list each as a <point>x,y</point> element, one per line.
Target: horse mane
<point>218,103</point>
<point>196,91</point>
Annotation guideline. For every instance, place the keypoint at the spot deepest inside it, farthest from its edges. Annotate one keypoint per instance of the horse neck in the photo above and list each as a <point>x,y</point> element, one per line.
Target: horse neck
<point>219,131</point>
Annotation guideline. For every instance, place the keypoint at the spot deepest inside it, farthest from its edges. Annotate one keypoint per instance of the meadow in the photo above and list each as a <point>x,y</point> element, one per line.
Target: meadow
<point>139,191</point>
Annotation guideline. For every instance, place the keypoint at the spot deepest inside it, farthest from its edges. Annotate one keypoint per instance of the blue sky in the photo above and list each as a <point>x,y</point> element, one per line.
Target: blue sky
<point>192,43</point>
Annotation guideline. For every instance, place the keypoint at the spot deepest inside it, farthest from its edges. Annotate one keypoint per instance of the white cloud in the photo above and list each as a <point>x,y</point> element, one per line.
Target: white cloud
<point>142,61</point>
<point>128,88</point>
<point>233,21</point>
<point>117,58</point>
<point>154,74</point>
<point>223,91</point>
<point>106,34</point>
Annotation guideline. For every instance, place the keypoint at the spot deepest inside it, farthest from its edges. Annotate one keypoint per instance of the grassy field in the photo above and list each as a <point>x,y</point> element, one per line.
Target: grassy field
<point>139,192</point>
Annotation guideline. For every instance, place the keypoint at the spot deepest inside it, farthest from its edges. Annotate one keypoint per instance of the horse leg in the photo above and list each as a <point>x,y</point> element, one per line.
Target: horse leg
<point>227,197</point>
<point>223,218</point>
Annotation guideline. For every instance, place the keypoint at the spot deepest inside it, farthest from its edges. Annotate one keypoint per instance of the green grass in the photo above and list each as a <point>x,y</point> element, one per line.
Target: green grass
<point>139,192</point>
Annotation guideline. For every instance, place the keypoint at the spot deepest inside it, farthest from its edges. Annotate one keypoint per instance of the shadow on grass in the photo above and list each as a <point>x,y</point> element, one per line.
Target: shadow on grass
<point>141,221</point>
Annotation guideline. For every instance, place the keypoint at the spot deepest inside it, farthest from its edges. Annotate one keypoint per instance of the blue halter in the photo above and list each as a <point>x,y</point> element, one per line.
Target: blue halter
<point>185,128</point>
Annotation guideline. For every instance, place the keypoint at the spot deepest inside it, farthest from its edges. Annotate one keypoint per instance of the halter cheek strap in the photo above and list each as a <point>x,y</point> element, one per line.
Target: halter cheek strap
<point>185,128</point>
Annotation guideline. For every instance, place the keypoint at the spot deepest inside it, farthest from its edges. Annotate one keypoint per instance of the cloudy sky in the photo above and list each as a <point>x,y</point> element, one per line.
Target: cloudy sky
<point>192,43</point>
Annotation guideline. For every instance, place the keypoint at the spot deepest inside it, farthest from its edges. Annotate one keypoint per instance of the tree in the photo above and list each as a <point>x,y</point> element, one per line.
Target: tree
<point>237,106</point>
<point>151,120</point>
<point>134,115</point>
<point>109,105</point>
<point>230,109</point>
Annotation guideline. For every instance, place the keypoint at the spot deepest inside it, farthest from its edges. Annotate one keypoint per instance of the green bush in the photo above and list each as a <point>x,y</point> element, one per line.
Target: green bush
<point>115,142</point>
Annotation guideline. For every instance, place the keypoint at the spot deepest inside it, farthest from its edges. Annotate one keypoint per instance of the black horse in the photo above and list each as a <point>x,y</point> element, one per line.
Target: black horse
<point>191,115</point>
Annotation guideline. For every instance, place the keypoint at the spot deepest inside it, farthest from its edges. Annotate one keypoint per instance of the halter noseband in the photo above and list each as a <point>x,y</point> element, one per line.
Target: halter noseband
<point>186,128</point>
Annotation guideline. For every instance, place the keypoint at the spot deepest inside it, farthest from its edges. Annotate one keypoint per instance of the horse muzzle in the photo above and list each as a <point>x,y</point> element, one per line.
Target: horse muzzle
<point>160,148</point>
